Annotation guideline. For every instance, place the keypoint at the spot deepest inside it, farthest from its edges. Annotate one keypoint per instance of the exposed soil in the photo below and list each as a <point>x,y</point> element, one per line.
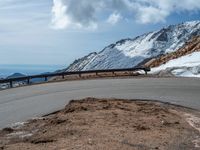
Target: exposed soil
<point>108,124</point>
<point>124,74</point>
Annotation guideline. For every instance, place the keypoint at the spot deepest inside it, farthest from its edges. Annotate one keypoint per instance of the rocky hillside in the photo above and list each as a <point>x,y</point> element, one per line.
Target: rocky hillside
<point>132,52</point>
<point>191,46</point>
<point>184,62</point>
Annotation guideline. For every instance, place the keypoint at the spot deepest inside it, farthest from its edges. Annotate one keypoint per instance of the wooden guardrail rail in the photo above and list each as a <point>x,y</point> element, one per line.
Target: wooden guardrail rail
<point>63,74</point>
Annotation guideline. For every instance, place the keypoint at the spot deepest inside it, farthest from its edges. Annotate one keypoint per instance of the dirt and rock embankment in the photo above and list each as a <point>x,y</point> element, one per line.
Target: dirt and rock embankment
<point>191,46</point>
<point>108,124</point>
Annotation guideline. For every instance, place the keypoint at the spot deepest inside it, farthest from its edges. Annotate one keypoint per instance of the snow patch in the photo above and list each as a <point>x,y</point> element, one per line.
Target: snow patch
<point>17,125</point>
<point>138,47</point>
<point>19,134</point>
<point>194,121</point>
<point>185,66</point>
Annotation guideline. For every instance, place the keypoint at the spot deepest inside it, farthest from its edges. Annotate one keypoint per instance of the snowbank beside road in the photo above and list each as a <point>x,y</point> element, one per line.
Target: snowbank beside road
<point>186,66</point>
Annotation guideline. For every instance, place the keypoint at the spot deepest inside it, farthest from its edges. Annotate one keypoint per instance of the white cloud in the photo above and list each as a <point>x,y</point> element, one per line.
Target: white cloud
<point>73,13</point>
<point>88,13</point>
<point>60,19</point>
<point>114,18</point>
<point>151,15</point>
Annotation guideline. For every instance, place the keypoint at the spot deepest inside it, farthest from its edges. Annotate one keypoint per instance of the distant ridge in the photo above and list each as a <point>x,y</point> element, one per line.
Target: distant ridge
<point>16,75</point>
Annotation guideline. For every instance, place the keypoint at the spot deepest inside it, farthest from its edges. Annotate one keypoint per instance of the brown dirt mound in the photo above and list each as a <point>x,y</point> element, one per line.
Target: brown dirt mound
<point>105,124</point>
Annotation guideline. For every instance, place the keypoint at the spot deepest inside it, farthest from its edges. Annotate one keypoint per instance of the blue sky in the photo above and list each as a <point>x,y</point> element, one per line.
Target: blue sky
<point>59,31</point>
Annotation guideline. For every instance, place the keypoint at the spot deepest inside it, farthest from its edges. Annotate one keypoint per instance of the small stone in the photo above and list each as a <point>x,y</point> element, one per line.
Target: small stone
<point>90,141</point>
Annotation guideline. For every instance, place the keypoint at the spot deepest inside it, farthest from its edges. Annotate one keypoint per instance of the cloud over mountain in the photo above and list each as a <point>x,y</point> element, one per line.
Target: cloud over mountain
<point>89,13</point>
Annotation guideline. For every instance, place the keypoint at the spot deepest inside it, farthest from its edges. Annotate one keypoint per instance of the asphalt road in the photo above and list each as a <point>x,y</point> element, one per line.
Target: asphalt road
<point>20,104</point>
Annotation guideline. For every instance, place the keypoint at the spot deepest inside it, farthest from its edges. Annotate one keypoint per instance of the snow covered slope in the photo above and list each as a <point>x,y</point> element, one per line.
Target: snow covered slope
<point>185,66</point>
<point>79,64</point>
<point>130,52</point>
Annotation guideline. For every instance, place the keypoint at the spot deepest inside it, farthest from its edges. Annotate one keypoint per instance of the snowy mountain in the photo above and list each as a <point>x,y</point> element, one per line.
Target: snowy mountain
<point>131,52</point>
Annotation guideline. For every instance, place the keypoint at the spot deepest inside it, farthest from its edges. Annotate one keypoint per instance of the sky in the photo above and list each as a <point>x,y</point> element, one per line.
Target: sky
<point>56,32</point>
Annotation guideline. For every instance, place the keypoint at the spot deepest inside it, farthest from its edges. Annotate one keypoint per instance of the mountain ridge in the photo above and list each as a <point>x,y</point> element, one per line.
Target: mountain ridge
<point>131,52</point>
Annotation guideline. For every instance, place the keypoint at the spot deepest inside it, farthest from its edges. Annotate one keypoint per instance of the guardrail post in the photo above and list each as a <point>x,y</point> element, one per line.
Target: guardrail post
<point>147,69</point>
<point>79,75</point>
<point>28,81</point>
<point>45,78</point>
<point>63,76</point>
<point>11,84</point>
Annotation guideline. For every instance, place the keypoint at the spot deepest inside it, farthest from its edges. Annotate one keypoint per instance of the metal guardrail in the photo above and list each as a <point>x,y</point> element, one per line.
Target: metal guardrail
<point>63,74</point>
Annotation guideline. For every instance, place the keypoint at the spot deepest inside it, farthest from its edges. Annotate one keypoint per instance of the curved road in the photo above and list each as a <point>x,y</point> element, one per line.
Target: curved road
<point>20,104</point>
